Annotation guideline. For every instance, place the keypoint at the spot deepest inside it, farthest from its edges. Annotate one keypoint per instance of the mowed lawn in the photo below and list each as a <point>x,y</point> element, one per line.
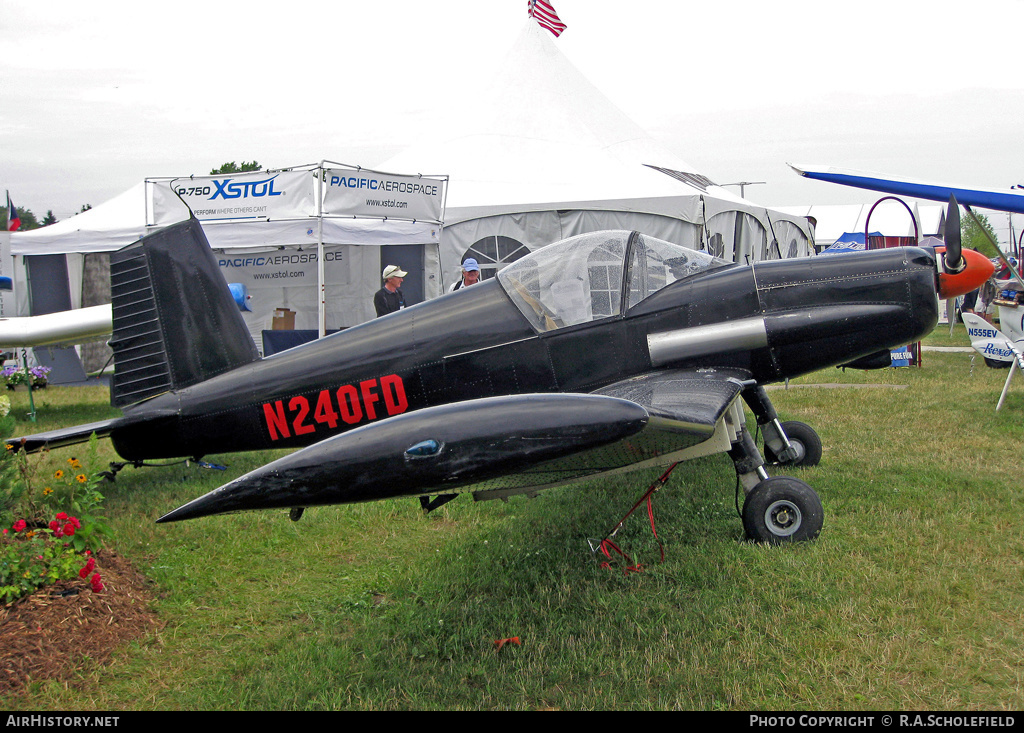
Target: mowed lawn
<point>911,598</point>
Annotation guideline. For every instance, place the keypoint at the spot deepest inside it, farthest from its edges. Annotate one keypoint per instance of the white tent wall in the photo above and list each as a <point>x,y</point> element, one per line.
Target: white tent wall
<point>728,233</point>
<point>533,229</point>
<point>286,278</point>
<point>791,239</point>
<point>8,298</point>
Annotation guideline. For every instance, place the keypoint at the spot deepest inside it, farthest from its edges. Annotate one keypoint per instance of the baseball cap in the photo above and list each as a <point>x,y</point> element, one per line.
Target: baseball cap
<point>393,271</point>
<point>470,264</point>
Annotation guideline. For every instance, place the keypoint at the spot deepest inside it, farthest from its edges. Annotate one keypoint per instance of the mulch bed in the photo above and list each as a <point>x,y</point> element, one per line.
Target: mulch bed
<point>47,634</point>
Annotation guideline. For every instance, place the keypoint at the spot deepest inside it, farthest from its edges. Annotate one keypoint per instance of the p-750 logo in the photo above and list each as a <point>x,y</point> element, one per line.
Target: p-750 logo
<point>350,404</point>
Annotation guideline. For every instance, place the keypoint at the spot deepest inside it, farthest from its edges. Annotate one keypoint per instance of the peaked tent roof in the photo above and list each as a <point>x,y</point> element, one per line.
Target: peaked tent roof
<point>111,225</point>
<point>542,134</point>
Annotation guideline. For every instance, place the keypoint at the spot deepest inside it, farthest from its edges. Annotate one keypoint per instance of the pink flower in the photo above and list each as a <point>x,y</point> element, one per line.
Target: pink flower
<point>62,515</point>
<point>74,521</point>
<point>97,586</point>
<point>69,529</point>
<point>19,525</point>
<point>55,528</point>
<point>89,566</point>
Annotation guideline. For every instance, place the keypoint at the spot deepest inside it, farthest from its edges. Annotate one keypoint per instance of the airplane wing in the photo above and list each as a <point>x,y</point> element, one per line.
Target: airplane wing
<point>505,444</point>
<point>985,198</point>
<point>982,197</point>
<point>63,328</point>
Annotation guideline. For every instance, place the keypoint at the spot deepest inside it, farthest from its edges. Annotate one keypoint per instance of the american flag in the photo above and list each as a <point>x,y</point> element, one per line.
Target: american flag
<point>13,220</point>
<point>545,15</point>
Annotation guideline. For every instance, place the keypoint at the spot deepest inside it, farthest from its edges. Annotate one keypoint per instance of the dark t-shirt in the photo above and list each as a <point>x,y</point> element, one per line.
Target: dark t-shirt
<point>387,302</point>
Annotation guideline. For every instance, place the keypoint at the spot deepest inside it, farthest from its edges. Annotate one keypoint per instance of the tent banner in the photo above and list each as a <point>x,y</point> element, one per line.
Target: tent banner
<point>360,192</point>
<point>235,196</point>
<point>280,268</point>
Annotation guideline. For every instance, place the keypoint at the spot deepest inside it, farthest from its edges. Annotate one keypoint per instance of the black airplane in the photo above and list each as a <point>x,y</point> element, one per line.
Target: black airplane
<point>601,353</point>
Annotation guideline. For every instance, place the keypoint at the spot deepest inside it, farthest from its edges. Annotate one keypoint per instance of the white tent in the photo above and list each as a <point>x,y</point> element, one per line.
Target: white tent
<point>277,257</point>
<point>542,154</point>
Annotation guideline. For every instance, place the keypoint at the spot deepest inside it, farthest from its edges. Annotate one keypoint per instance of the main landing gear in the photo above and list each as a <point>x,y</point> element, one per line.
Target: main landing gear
<point>780,509</point>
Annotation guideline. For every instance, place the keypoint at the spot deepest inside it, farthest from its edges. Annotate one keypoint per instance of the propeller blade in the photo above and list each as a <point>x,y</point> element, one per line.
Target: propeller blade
<point>954,260</point>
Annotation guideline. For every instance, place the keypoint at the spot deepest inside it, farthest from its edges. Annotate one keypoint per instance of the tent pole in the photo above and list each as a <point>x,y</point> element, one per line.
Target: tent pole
<point>322,314</point>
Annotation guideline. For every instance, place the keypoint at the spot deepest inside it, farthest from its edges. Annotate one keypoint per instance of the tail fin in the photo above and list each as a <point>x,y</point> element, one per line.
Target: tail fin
<point>175,321</point>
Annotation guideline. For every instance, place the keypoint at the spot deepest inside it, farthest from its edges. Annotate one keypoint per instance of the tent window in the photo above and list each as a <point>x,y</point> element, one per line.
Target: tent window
<point>737,236</point>
<point>792,241</point>
<point>604,274</point>
<point>655,263</point>
<point>494,252</point>
<point>570,282</point>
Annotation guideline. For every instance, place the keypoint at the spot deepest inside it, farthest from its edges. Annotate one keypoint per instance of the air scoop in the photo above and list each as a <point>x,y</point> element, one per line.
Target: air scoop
<point>962,271</point>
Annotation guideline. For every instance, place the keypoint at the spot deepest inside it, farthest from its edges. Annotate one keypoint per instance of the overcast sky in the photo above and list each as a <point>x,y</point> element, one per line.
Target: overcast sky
<point>95,97</point>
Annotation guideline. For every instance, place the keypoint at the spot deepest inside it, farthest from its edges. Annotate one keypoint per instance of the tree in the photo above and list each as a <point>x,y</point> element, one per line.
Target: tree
<point>973,237</point>
<point>28,219</point>
<point>49,218</point>
<point>233,167</point>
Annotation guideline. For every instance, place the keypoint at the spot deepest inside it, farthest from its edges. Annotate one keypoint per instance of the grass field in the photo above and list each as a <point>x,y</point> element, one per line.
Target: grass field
<point>910,599</point>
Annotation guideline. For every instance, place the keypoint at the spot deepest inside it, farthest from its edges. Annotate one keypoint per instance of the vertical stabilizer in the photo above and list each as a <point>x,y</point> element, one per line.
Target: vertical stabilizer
<point>175,322</point>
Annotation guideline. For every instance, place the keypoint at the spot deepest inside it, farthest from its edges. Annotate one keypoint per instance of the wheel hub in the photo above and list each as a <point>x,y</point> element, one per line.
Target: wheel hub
<point>782,518</point>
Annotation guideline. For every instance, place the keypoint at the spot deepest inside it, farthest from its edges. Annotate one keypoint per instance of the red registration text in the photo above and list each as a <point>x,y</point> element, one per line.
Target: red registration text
<point>348,405</point>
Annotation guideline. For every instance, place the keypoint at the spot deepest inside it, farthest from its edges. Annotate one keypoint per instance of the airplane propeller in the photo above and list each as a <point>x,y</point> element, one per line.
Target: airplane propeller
<point>962,271</point>
<point>953,260</point>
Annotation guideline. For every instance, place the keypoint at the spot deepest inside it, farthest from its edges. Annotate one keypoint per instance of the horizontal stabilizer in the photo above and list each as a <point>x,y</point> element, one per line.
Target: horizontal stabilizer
<point>64,436</point>
<point>435,448</point>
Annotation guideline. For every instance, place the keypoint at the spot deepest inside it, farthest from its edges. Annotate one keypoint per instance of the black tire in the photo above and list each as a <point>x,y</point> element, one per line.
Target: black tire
<point>782,509</point>
<point>804,439</point>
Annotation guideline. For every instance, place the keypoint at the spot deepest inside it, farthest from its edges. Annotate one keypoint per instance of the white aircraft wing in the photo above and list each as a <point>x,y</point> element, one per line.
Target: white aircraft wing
<point>65,328</point>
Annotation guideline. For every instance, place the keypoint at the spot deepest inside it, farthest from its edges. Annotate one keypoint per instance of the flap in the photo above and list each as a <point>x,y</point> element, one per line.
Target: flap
<point>687,399</point>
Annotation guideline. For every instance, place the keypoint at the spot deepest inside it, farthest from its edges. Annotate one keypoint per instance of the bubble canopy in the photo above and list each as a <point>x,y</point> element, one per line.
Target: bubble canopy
<point>597,275</point>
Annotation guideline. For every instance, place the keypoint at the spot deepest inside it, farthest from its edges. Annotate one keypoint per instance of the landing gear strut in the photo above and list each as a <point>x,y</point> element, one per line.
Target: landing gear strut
<point>780,509</point>
<point>805,443</point>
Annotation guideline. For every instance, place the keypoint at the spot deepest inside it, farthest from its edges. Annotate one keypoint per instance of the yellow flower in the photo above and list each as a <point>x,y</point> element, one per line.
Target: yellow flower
<point>73,462</point>
<point>30,534</point>
<point>81,478</point>
<point>47,491</point>
<point>59,474</point>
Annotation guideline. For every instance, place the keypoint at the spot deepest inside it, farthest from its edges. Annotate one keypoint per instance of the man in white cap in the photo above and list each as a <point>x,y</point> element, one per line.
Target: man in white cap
<point>470,275</point>
<point>389,298</point>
